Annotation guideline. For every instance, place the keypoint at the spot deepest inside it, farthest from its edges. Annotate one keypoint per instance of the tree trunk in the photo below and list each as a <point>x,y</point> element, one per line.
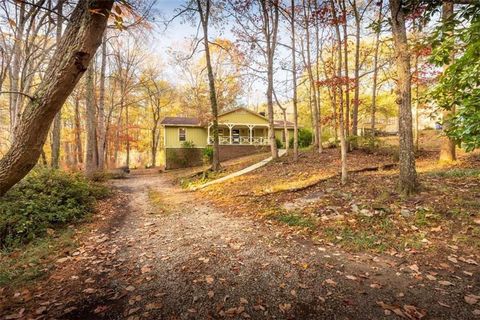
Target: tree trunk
<point>57,122</point>
<point>347,77</point>
<point>78,130</point>
<point>294,80</point>
<point>356,96</point>
<point>375,70</point>
<point>447,147</point>
<point>81,40</point>
<point>101,107</point>
<point>91,154</point>
<point>408,176</point>
<point>270,13</point>
<point>204,17</point>
<point>343,142</point>
<point>307,17</point>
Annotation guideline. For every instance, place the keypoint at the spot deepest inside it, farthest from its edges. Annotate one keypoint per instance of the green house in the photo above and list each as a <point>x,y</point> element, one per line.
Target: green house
<point>241,132</point>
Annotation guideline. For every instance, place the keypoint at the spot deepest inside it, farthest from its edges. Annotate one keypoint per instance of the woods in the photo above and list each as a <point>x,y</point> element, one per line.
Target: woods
<point>254,159</point>
<point>338,89</point>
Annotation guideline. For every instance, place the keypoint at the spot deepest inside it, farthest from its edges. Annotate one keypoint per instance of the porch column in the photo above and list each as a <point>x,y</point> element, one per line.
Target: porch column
<point>208,133</point>
<point>230,126</point>
<point>251,126</point>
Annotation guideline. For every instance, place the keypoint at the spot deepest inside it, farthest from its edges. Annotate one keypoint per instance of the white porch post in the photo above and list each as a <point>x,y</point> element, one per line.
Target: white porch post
<point>230,126</point>
<point>251,126</point>
<point>208,133</point>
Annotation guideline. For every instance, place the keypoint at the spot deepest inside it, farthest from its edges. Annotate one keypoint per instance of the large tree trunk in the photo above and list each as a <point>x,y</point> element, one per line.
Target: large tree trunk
<point>57,123</point>
<point>447,147</point>
<point>294,85</point>
<point>408,176</point>
<point>204,17</point>
<point>71,59</point>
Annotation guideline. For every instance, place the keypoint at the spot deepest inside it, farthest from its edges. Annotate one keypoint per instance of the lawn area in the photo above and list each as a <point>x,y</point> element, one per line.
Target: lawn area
<point>366,214</point>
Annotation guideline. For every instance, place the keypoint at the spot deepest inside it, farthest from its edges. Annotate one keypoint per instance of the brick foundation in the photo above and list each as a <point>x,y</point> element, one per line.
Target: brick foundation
<point>183,157</point>
<point>228,152</point>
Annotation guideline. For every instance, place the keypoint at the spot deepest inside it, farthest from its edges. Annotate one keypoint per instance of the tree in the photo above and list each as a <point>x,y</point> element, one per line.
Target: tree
<point>204,13</point>
<point>339,77</point>
<point>258,23</point>
<point>457,88</point>
<point>408,176</point>
<point>294,83</point>
<point>71,59</point>
<point>57,123</point>
<point>91,158</point>
<point>447,147</point>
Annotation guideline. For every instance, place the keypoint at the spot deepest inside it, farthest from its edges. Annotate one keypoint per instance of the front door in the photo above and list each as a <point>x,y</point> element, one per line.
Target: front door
<point>235,136</point>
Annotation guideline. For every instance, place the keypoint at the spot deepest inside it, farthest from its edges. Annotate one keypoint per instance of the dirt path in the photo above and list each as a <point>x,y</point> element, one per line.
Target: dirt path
<point>187,260</point>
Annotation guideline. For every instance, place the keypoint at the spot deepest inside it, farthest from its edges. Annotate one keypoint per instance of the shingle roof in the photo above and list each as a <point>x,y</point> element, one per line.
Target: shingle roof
<point>279,123</point>
<point>181,121</point>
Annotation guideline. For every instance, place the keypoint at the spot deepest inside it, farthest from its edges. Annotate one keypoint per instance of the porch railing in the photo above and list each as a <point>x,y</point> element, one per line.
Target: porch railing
<point>241,140</point>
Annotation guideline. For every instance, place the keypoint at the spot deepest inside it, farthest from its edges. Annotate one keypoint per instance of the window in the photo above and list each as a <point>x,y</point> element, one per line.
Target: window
<point>182,134</point>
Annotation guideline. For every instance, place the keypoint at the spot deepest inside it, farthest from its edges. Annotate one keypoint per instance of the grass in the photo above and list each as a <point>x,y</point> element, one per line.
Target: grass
<point>157,199</point>
<point>34,260</point>
<point>456,173</point>
<point>296,220</point>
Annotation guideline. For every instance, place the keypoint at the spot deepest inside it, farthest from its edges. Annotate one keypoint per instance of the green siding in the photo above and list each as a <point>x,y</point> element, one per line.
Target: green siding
<point>196,135</point>
<point>279,134</point>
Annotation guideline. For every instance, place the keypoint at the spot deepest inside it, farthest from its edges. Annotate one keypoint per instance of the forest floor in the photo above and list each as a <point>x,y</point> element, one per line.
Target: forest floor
<point>253,248</point>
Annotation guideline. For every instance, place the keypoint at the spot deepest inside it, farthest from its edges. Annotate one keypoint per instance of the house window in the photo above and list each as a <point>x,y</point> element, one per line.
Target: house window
<point>182,134</point>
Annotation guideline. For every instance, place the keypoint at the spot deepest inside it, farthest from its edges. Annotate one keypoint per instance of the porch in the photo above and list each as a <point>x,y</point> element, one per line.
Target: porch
<point>239,134</point>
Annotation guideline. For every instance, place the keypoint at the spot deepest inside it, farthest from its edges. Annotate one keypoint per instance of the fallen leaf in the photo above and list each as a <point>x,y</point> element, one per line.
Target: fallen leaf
<point>444,304</point>
<point>209,279</point>
<point>414,267</point>
<point>154,306</point>
<point>445,283</point>
<point>210,294</point>
<point>130,288</point>
<point>350,277</point>
<point>89,290</point>
<point>40,310</point>
<point>243,301</point>
<point>285,307</point>
<point>330,282</point>
<point>471,299</point>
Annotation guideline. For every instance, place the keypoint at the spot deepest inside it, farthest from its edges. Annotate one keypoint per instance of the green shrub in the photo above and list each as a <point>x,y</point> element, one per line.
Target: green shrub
<point>188,144</point>
<point>208,155</point>
<point>45,199</point>
<point>279,143</point>
<point>305,138</point>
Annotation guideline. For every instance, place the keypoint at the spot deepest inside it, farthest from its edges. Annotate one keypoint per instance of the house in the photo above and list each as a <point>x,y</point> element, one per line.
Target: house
<point>241,132</point>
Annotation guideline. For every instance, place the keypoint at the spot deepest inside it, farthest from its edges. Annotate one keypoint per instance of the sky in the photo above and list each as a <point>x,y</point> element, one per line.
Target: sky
<point>180,32</point>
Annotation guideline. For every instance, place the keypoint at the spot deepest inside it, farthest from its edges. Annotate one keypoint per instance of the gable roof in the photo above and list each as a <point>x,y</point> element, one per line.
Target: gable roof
<point>181,121</point>
<point>244,109</point>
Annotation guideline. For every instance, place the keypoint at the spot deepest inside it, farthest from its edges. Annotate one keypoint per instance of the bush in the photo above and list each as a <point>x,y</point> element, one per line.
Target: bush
<point>305,138</point>
<point>188,144</point>
<point>45,199</point>
<point>208,155</point>
<point>279,143</point>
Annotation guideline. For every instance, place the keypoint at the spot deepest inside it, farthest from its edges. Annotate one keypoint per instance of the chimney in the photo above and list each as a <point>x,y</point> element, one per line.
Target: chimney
<point>262,113</point>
